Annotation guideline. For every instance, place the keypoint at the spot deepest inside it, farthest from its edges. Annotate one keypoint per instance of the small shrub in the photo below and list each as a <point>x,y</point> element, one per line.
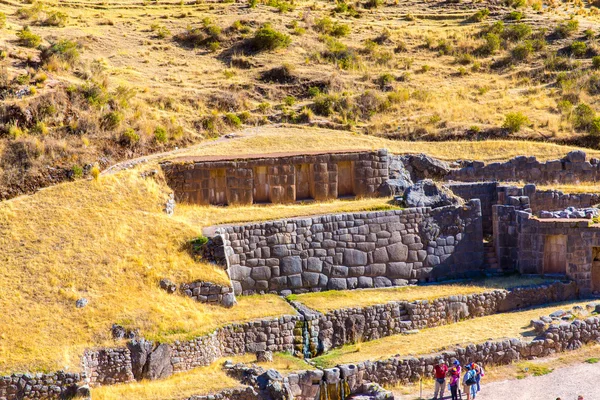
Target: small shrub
<point>515,16</point>
<point>27,38</point>
<point>589,34</point>
<point>233,120</point>
<point>77,171</point>
<point>160,134</point>
<point>40,128</point>
<point>370,4</point>
<point>130,137</point>
<point>314,91</point>
<point>596,62</point>
<point>582,117</point>
<point>593,360</point>
<point>289,100</point>
<point>566,29</point>
<point>385,79</point>
<point>264,107</point>
<point>65,50</point>
<point>522,51</point>
<point>517,32</point>
<point>324,104</point>
<point>95,172</point>
<point>160,31</point>
<point>578,49</point>
<point>479,15</point>
<point>2,20</point>
<point>267,38</point>
<point>14,132</point>
<point>252,3</point>
<point>513,122</point>
<point>56,18</point>
<point>492,44</point>
<point>112,120</point>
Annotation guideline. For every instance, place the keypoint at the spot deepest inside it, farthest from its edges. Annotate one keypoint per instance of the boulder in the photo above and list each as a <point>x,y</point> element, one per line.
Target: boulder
<point>158,364</point>
<point>80,303</point>
<point>139,350</point>
<point>399,177</point>
<point>168,286</point>
<point>427,193</point>
<point>575,156</point>
<point>421,166</point>
<point>264,356</point>
<point>228,300</point>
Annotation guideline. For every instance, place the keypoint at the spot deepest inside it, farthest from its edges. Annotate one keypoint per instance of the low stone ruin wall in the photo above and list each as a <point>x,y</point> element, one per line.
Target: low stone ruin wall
<point>550,200</point>
<point>208,292</point>
<point>142,359</point>
<point>352,378</point>
<point>358,250</point>
<point>572,169</point>
<point>56,385</point>
<point>353,325</point>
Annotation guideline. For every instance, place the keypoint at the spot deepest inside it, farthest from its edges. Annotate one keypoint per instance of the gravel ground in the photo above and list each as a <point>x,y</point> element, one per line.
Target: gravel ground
<point>566,383</point>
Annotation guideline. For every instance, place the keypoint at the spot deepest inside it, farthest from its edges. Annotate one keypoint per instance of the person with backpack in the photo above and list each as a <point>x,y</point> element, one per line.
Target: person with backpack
<point>479,373</point>
<point>470,383</point>
<point>454,375</point>
<point>440,371</point>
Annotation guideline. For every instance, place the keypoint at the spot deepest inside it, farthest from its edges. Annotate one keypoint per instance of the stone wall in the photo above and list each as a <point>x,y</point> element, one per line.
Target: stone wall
<point>57,385</point>
<point>352,325</point>
<point>277,178</point>
<point>572,169</point>
<point>579,238</point>
<point>108,366</point>
<point>485,192</point>
<point>358,250</point>
<point>208,292</point>
<point>548,200</point>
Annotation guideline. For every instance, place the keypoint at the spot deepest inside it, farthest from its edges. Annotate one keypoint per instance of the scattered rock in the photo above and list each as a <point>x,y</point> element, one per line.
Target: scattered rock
<point>572,212</point>
<point>158,364</point>
<point>421,166</point>
<point>427,193</point>
<point>168,285</point>
<point>575,156</point>
<point>558,314</point>
<point>80,303</point>
<point>139,350</point>
<point>264,356</point>
<point>399,180</point>
<point>83,392</point>
<point>170,205</point>
<point>118,332</point>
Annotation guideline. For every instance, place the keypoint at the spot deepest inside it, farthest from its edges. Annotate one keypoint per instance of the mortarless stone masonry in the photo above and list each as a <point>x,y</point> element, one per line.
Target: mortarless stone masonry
<point>277,178</point>
<point>358,250</point>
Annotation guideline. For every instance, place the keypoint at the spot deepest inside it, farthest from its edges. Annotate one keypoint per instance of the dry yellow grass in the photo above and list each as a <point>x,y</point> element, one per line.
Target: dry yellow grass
<point>479,330</point>
<point>331,300</point>
<point>292,139</point>
<point>199,381</point>
<point>583,187</point>
<point>110,242</point>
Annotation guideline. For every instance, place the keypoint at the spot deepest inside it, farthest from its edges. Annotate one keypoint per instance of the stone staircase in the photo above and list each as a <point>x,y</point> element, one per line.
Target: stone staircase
<point>490,261</point>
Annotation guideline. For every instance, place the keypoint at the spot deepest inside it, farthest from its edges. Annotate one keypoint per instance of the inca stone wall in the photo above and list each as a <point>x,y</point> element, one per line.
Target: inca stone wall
<point>572,169</point>
<point>535,236</point>
<point>485,192</point>
<point>548,200</point>
<point>108,366</point>
<point>277,178</point>
<point>208,292</point>
<point>358,250</point>
<point>57,385</point>
<point>352,325</point>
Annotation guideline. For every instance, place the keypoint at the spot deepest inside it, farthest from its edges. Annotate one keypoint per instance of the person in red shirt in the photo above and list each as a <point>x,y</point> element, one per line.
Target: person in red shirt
<point>440,371</point>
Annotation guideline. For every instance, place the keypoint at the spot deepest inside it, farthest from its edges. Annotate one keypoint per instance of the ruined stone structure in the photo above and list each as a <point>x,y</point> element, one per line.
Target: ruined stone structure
<point>277,178</point>
<point>358,250</point>
<point>572,169</point>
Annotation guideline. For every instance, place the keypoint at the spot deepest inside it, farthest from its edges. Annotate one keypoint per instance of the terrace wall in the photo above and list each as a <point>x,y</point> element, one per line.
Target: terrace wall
<point>277,178</point>
<point>485,192</point>
<point>358,250</point>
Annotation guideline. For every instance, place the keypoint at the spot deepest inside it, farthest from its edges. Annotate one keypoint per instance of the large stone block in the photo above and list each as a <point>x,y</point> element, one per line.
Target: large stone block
<point>261,273</point>
<point>337,284</point>
<point>291,265</point>
<point>314,264</point>
<point>381,255</point>
<point>353,257</point>
<point>397,252</point>
<point>399,270</point>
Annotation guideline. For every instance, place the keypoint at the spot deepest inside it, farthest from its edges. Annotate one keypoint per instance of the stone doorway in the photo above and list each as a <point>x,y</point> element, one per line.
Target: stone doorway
<point>345,179</point>
<point>555,255</point>
<point>217,187</point>
<point>304,182</point>
<point>261,185</point>
<point>595,275</point>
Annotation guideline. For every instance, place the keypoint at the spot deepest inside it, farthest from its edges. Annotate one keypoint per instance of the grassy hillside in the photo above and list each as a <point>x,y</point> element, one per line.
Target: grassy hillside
<point>89,83</point>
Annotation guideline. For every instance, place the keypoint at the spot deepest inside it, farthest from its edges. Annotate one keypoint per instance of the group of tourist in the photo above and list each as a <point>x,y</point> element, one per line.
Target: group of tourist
<point>471,380</point>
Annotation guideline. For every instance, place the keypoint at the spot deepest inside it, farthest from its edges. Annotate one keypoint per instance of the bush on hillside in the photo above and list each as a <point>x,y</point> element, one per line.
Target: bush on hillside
<point>27,38</point>
<point>514,121</point>
<point>266,38</point>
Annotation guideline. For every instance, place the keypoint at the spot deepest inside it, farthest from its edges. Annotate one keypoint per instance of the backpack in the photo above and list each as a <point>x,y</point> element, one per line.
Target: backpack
<point>471,380</point>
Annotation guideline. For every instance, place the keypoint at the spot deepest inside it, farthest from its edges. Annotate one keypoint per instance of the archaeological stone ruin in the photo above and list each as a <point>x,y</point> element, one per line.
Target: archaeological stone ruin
<point>480,220</point>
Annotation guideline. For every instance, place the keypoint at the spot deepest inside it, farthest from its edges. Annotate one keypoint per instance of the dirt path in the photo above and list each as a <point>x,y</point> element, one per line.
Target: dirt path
<point>566,383</point>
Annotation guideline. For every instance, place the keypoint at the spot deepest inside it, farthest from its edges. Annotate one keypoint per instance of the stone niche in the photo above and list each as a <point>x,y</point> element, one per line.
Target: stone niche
<point>277,178</point>
<point>357,250</point>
